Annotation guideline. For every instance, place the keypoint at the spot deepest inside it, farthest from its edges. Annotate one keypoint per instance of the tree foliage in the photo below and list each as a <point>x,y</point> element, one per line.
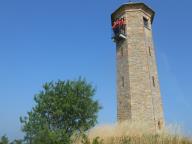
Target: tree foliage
<point>16,142</point>
<point>4,140</point>
<point>62,109</point>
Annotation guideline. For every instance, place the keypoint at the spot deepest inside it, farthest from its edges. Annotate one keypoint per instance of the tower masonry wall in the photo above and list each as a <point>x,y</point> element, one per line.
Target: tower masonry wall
<point>138,91</point>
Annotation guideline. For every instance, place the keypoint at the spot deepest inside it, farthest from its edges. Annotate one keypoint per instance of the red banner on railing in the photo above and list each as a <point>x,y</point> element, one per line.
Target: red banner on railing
<point>118,22</point>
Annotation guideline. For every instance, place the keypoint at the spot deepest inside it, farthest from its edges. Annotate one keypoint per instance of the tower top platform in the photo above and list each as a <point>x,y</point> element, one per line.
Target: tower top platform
<point>132,6</point>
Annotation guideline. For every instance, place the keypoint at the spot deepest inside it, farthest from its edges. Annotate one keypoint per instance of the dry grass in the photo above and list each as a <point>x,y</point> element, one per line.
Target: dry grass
<point>135,133</point>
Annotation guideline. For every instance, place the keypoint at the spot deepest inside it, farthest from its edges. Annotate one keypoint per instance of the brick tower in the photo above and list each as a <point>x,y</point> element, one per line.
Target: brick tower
<point>138,92</point>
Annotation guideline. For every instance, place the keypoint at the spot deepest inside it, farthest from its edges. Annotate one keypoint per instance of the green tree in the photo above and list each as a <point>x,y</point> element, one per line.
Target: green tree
<point>16,142</point>
<point>62,109</point>
<point>4,140</point>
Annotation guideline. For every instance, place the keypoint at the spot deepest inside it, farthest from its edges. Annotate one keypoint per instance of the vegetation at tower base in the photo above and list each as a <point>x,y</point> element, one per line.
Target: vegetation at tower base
<point>62,109</point>
<point>134,133</point>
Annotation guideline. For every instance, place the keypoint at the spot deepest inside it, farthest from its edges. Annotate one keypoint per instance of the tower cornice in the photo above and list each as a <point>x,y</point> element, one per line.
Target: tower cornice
<point>131,6</point>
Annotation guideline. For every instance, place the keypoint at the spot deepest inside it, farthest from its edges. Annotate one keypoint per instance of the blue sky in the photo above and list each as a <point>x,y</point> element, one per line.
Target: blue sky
<point>45,40</point>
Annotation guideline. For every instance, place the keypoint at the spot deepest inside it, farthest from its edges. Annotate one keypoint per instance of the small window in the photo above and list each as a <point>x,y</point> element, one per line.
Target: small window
<point>159,125</point>
<point>123,82</point>
<point>145,22</point>
<point>153,79</point>
<point>150,51</point>
<point>121,51</point>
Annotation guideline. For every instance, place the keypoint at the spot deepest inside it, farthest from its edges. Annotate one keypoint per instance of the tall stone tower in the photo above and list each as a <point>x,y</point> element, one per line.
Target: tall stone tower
<point>138,92</point>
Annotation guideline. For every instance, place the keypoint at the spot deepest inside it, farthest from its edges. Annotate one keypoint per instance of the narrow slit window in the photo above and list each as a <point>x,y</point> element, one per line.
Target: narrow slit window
<point>145,22</point>
<point>150,51</point>
<point>153,79</point>
<point>159,125</point>
<point>123,82</point>
<point>121,51</point>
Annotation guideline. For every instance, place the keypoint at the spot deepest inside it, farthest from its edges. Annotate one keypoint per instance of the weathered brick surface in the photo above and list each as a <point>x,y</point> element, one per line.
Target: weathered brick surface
<point>138,99</point>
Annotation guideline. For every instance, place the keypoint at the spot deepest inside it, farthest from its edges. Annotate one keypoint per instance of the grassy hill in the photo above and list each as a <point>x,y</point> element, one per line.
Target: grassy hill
<point>134,133</point>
